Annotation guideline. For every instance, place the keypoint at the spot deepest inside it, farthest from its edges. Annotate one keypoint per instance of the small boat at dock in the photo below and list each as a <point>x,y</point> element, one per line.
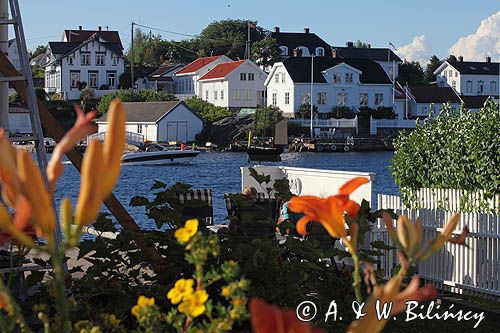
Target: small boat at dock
<point>156,154</point>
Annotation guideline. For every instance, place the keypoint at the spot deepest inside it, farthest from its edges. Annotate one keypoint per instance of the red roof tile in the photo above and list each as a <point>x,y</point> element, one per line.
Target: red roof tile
<point>197,64</point>
<point>221,70</point>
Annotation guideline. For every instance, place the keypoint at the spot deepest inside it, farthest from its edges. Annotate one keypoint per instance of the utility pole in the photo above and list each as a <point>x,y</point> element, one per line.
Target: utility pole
<point>132,56</point>
<point>4,86</point>
<point>311,97</point>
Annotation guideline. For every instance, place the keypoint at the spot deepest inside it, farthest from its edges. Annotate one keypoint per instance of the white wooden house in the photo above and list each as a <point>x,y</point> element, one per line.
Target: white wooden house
<point>160,121</point>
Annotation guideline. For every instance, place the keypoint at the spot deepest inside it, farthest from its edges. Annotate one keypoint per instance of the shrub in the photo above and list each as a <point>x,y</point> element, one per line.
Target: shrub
<point>456,150</point>
<point>133,96</point>
<point>265,119</point>
<point>87,94</point>
<point>383,112</point>
<point>41,94</point>
<point>206,110</point>
<point>104,87</point>
<point>304,111</point>
<point>342,112</point>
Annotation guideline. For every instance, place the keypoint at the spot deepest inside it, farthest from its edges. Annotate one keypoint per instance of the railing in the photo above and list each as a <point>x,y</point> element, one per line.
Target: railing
<point>474,269</point>
<point>130,137</point>
<point>331,123</point>
<point>392,123</point>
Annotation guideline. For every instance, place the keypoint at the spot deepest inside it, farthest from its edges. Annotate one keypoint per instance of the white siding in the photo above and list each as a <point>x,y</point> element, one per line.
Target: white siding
<point>445,80</point>
<point>180,115</point>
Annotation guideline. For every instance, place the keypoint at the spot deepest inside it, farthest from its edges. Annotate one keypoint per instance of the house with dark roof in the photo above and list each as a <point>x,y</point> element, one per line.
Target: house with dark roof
<point>186,78</point>
<point>470,78</point>
<point>160,79</point>
<point>84,58</point>
<point>234,84</point>
<point>352,83</point>
<point>384,56</point>
<point>159,121</point>
<point>303,44</point>
<point>424,99</point>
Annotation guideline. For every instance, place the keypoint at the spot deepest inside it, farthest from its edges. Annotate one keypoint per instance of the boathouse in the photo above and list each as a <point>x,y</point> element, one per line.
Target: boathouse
<point>160,121</point>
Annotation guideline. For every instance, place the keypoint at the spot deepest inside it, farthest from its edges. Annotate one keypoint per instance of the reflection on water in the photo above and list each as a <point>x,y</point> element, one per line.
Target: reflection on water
<point>221,173</point>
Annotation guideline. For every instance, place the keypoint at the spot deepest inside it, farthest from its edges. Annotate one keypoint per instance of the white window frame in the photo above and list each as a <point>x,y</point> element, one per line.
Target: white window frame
<point>342,98</point>
<point>93,76</point>
<point>454,84</point>
<point>74,78</point>
<point>363,99</point>
<point>379,99</point>
<point>468,86</point>
<point>251,76</point>
<point>275,99</point>
<point>305,98</point>
<point>348,77</point>
<point>115,60</point>
<point>243,76</point>
<point>283,77</point>
<point>287,98</point>
<point>321,98</point>
<point>109,77</point>
<point>277,78</point>
<point>337,78</point>
<point>85,56</point>
<point>284,50</point>
<point>215,95</point>
<point>222,94</point>
<point>206,94</point>
<point>493,86</point>
<point>320,52</point>
<point>100,59</point>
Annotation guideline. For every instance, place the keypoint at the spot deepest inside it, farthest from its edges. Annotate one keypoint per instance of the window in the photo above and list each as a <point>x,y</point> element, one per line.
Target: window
<point>236,95</point>
<point>363,99</point>
<point>93,79</point>
<point>99,59</point>
<point>493,86</point>
<point>277,78</point>
<point>222,94</point>
<point>468,86</point>
<point>71,60</point>
<point>379,99</point>
<point>283,77</point>
<point>320,52</point>
<point>215,94</point>
<point>243,76</point>
<point>275,99</point>
<point>287,98</point>
<point>206,95</point>
<point>321,98</point>
<point>75,78</point>
<point>114,61</point>
<point>480,86</point>
<point>85,59</point>
<point>456,74</point>
<point>284,50</point>
<point>342,99</point>
<point>248,95</point>
<point>111,80</point>
<point>454,84</point>
<point>348,77</point>
<point>139,129</point>
<point>336,78</point>
<point>251,76</point>
<point>306,98</point>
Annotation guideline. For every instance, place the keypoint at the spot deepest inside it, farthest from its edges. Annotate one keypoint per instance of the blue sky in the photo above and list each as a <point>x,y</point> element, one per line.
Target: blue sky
<point>377,22</point>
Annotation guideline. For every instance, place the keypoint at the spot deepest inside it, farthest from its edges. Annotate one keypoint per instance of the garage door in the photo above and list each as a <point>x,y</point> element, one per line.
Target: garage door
<point>177,131</point>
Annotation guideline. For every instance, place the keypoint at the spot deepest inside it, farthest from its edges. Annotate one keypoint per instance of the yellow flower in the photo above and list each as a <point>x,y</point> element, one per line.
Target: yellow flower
<point>181,289</point>
<point>238,301</point>
<point>136,311</point>
<point>226,292</point>
<point>194,304</point>
<point>184,234</point>
<point>142,302</point>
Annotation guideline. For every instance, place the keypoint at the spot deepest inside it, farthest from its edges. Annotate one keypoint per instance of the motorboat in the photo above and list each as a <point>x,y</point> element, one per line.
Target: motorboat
<point>157,154</point>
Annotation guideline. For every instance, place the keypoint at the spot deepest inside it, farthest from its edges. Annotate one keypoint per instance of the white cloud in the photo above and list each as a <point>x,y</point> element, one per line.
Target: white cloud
<point>484,42</point>
<point>418,50</point>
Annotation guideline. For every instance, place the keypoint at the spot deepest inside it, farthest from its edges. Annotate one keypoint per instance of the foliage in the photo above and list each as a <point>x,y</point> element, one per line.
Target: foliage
<point>104,87</point>
<point>304,111</point>
<point>411,73</point>
<point>37,72</point>
<point>433,64</point>
<point>384,112</point>
<point>360,44</point>
<point>207,110</point>
<point>39,50</point>
<point>146,95</point>
<point>342,112</point>
<point>266,52</point>
<point>87,94</point>
<point>453,151</point>
<point>265,120</point>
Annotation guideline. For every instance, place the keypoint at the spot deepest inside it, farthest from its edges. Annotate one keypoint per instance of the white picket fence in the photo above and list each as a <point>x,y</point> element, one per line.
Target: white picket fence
<point>473,270</point>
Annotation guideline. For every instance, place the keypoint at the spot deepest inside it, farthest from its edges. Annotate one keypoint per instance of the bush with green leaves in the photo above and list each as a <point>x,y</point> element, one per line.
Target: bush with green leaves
<point>304,111</point>
<point>455,150</point>
<point>147,95</point>
<point>343,112</point>
<point>265,120</point>
<point>206,110</point>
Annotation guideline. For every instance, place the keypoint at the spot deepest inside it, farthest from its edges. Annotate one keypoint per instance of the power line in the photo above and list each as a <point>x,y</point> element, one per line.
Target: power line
<point>167,31</point>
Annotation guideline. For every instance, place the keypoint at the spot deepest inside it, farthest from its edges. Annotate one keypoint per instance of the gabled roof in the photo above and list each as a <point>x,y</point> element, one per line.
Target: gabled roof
<point>148,112</point>
<point>162,70</point>
<point>82,35</point>
<point>473,67</point>
<point>197,64</point>
<point>433,94</point>
<point>369,53</point>
<point>292,40</point>
<point>222,70</point>
<point>299,68</point>
<point>59,48</point>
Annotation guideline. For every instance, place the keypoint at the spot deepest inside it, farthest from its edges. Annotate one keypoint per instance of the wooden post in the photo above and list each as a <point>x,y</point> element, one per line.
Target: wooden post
<point>54,129</point>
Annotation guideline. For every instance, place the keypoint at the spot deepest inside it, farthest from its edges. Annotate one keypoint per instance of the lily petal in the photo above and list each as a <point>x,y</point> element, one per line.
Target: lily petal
<point>352,185</point>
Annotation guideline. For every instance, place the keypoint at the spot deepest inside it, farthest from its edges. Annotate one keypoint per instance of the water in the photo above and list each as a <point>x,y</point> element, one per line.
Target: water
<point>221,173</point>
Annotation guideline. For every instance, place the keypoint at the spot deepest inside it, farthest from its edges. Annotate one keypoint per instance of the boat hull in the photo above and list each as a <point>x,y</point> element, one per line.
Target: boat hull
<point>159,157</point>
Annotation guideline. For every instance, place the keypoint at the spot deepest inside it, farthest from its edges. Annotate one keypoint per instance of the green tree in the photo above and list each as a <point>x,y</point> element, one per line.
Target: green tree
<point>39,50</point>
<point>265,120</point>
<point>266,52</point>
<point>433,64</point>
<point>451,58</point>
<point>411,73</point>
<point>206,110</point>
<point>361,45</point>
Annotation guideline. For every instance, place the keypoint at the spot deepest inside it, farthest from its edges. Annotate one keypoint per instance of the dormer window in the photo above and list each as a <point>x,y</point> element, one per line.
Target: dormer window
<point>284,50</point>
<point>348,77</point>
<point>71,60</point>
<point>320,52</point>
<point>336,78</point>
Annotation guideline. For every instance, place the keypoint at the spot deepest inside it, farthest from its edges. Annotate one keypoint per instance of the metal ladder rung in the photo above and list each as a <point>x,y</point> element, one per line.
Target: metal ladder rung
<point>12,78</point>
<point>23,138</point>
<point>7,21</point>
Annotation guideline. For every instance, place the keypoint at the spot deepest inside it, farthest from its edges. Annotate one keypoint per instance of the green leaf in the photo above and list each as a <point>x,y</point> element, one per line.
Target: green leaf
<point>381,245</point>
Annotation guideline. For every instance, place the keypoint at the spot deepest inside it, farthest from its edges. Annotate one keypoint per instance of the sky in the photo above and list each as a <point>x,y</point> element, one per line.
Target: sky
<point>418,29</point>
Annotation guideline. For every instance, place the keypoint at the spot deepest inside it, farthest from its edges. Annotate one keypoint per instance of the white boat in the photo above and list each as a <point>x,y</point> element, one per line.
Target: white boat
<point>156,154</point>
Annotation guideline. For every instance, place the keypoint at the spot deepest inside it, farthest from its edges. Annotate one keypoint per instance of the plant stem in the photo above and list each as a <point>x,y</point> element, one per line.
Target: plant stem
<point>18,315</point>
<point>61,298</point>
<point>356,278</point>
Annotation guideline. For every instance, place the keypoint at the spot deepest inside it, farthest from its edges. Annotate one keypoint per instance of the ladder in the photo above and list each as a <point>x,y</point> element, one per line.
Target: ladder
<point>31,99</point>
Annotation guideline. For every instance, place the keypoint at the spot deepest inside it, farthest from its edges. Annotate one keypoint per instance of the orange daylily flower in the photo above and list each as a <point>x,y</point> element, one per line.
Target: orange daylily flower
<point>17,228</point>
<point>329,211</point>
<point>8,170</point>
<point>267,318</point>
<point>390,292</point>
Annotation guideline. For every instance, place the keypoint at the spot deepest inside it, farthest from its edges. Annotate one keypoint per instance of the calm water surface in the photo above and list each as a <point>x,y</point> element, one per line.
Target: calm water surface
<point>221,173</point>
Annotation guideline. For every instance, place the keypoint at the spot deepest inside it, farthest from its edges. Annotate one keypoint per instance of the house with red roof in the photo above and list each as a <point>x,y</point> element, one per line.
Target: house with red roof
<point>186,78</point>
<point>234,84</point>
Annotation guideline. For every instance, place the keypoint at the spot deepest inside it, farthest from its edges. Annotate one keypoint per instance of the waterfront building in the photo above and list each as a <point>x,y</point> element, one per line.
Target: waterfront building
<point>160,79</point>
<point>160,121</point>
<point>84,58</point>
<point>352,83</point>
<point>423,99</point>
<point>304,43</point>
<point>234,84</point>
